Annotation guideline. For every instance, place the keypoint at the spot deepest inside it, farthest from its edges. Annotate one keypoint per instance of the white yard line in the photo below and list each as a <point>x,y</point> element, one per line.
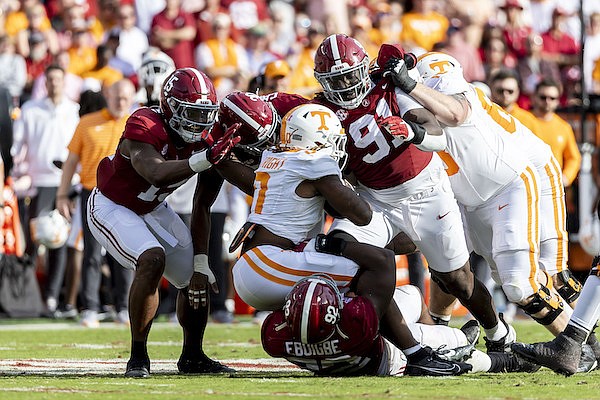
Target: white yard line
<point>52,367</point>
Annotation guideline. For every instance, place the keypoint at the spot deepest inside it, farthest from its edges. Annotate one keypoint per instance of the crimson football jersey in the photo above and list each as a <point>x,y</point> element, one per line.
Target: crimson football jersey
<point>378,159</point>
<point>120,182</point>
<point>356,347</point>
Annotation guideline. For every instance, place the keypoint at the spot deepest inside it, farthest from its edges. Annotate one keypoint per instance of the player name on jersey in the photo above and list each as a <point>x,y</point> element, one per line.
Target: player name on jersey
<point>326,348</point>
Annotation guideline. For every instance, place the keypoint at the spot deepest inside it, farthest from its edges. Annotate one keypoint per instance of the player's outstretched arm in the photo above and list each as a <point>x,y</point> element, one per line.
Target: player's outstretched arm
<point>344,200</point>
<point>238,174</point>
<point>149,163</point>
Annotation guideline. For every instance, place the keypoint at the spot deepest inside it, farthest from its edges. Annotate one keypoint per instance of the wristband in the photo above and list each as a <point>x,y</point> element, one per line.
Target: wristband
<point>433,143</point>
<point>201,266</point>
<point>198,162</point>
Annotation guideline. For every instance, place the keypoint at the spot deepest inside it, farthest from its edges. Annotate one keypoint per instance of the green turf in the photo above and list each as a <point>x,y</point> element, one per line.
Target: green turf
<point>242,341</point>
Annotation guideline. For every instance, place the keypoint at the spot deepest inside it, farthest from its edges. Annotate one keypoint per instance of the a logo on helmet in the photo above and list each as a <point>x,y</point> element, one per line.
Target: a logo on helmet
<point>169,84</point>
<point>441,67</point>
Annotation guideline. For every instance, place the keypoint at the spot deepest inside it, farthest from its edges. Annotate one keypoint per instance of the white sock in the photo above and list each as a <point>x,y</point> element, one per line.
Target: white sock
<point>587,312</point>
<point>497,332</point>
<point>480,361</point>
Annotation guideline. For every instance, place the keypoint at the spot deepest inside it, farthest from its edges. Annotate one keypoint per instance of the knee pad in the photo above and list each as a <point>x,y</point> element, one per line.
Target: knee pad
<point>544,299</point>
<point>513,292</point>
<point>570,287</point>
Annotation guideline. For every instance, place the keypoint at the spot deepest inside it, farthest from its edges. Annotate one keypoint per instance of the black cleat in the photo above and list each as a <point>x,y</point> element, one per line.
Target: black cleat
<point>502,345</point>
<point>588,361</point>
<point>562,355</point>
<point>138,368</point>
<point>511,362</point>
<point>202,365</point>
<point>430,364</point>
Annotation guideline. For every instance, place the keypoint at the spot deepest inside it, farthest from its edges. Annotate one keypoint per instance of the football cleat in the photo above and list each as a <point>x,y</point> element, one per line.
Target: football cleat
<point>203,365</point>
<point>588,361</point>
<point>511,362</point>
<point>428,363</point>
<point>472,332</point>
<point>502,345</point>
<point>138,368</point>
<point>562,355</point>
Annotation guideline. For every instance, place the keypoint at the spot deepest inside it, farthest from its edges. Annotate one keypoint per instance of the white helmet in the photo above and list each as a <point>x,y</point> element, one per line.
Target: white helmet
<point>442,73</point>
<point>433,64</point>
<point>50,229</point>
<point>313,127</point>
<point>156,67</point>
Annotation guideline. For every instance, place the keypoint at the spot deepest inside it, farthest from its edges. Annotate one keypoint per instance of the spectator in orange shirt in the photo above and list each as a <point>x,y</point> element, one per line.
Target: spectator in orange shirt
<point>556,131</point>
<point>102,72</point>
<point>504,87</point>
<point>422,27</point>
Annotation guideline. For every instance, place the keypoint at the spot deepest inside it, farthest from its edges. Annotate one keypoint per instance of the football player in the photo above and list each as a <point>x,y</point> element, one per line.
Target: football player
<point>160,149</point>
<point>553,234</point>
<point>290,187</point>
<point>400,175</point>
<point>493,180</point>
<point>156,67</point>
<point>332,334</point>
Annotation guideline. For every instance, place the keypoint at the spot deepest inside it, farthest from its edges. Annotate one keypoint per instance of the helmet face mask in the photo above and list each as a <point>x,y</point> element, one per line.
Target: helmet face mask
<point>156,67</point>
<point>189,104</point>
<point>314,127</point>
<point>342,69</point>
<point>313,309</point>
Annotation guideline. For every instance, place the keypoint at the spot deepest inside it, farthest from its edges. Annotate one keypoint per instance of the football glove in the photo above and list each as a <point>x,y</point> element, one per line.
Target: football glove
<point>397,70</point>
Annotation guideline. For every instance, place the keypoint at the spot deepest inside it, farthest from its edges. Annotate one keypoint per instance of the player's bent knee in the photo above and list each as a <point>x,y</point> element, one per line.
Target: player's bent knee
<point>544,306</point>
<point>151,263</point>
<point>514,293</point>
<point>459,283</point>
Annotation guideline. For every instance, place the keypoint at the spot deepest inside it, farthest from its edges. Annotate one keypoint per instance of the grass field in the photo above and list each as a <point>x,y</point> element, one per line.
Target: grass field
<point>52,360</point>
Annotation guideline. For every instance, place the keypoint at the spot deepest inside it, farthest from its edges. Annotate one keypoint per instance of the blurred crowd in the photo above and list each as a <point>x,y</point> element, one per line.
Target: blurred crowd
<point>262,45</point>
<point>100,41</point>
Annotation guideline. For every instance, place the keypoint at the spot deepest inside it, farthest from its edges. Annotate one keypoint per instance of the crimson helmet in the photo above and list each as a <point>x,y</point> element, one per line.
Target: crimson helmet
<point>258,118</point>
<point>342,69</point>
<point>188,101</point>
<point>313,308</point>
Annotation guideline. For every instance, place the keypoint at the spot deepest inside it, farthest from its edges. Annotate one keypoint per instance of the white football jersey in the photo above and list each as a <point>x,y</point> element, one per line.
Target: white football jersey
<point>275,204</point>
<point>480,160</point>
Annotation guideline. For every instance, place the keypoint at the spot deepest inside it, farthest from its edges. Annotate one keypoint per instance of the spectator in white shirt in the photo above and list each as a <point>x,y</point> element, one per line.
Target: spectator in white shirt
<point>41,135</point>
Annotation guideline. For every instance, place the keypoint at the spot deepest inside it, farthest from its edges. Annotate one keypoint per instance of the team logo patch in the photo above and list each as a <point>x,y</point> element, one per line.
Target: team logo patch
<point>164,150</point>
<point>366,102</point>
<point>342,114</point>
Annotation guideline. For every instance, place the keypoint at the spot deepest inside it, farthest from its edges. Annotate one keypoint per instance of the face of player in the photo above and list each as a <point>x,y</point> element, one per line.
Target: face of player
<point>505,92</point>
